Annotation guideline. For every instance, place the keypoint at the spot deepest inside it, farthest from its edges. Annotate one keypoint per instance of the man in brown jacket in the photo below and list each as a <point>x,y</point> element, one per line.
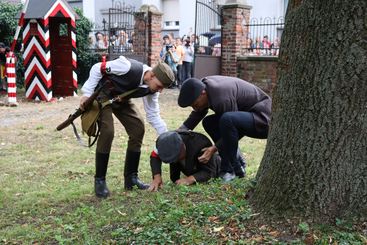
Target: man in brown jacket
<point>241,109</point>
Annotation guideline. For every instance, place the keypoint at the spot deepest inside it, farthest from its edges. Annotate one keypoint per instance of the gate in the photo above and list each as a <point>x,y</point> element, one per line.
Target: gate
<point>208,24</point>
<point>127,33</point>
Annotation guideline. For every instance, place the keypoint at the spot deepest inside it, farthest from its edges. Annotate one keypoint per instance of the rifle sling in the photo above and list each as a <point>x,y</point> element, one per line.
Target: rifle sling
<point>77,135</point>
<point>117,98</point>
<point>103,104</point>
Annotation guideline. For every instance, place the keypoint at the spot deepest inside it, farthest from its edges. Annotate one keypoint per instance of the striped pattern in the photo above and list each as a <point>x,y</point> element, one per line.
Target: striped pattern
<point>37,54</point>
<point>20,24</point>
<point>10,73</point>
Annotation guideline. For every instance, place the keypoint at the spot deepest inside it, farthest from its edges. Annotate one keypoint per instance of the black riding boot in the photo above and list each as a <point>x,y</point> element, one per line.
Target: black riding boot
<point>240,170</point>
<point>131,171</point>
<point>100,186</point>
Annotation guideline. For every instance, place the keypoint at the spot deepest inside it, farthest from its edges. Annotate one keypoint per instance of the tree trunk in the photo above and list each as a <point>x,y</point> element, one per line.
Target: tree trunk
<point>315,162</point>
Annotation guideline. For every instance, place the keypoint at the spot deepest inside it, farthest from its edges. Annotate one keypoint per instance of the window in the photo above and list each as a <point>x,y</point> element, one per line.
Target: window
<point>63,30</point>
<point>172,24</point>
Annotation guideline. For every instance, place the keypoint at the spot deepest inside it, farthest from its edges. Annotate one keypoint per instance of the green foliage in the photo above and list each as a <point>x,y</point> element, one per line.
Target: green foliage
<point>85,58</point>
<point>8,25</point>
<point>303,227</point>
<point>8,22</point>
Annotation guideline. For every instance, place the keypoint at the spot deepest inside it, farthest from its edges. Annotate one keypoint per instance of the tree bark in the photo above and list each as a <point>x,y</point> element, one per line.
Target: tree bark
<point>315,162</point>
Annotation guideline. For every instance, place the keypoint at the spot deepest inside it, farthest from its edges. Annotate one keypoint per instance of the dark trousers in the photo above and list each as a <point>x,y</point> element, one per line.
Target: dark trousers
<point>230,128</point>
<point>179,75</point>
<point>186,70</point>
<point>128,115</point>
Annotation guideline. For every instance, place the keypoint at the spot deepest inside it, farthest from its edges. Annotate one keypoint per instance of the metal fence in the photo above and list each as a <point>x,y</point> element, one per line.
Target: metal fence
<point>207,26</point>
<point>264,36</point>
<point>123,33</point>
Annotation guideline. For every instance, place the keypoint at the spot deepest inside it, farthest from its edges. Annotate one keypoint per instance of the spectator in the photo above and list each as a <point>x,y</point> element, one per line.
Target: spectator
<point>276,46</point>
<point>180,54</point>
<point>2,67</point>
<point>259,46</point>
<point>217,48</point>
<point>266,45</point>
<point>92,42</point>
<point>250,45</point>
<point>122,43</point>
<point>100,41</point>
<point>169,56</point>
<point>187,59</point>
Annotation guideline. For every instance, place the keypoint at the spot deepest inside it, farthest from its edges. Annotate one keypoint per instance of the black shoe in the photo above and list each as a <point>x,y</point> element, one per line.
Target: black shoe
<point>240,172</point>
<point>133,180</point>
<point>100,188</point>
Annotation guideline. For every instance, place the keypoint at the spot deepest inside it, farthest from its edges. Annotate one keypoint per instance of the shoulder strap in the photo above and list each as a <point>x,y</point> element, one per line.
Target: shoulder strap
<point>118,97</point>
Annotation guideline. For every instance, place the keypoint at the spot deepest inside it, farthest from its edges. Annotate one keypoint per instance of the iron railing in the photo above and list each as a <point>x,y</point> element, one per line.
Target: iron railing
<point>264,36</point>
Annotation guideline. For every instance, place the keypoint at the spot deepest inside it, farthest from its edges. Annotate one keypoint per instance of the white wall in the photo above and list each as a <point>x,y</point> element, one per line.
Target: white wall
<point>266,8</point>
<point>89,10</point>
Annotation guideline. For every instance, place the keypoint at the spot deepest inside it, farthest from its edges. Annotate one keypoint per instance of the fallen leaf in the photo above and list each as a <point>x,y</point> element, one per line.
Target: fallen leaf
<point>274,233</point>
<point>123,214</point>
<point>218,229</point>
<point>263,227</point>
<point>257,239</point>
<point>138,230</point>
<point>213,219</point>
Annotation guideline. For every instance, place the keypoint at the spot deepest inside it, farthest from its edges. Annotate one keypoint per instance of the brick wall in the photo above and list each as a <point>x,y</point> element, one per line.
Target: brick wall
<point>259,70</point>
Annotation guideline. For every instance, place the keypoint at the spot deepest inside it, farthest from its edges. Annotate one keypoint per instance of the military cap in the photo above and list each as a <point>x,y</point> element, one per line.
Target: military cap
<point>164,74</point>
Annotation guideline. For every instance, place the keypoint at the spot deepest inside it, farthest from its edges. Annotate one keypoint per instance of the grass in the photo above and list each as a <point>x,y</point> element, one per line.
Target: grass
<point>46,193</point>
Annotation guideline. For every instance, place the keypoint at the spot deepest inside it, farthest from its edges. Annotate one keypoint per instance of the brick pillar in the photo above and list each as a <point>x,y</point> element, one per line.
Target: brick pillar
<point>234,34</point>
<point>154,37</point>
<point>153,27</point>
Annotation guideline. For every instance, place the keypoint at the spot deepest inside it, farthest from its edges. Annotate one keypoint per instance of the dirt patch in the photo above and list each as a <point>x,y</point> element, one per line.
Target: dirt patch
<point>30,111</point>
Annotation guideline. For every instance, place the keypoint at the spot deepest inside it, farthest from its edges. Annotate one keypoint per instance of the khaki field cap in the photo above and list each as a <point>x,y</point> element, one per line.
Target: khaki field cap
<point>164,74</point>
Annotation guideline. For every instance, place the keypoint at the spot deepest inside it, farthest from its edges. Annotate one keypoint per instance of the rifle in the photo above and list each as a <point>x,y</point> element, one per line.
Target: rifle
<point>79,111</point>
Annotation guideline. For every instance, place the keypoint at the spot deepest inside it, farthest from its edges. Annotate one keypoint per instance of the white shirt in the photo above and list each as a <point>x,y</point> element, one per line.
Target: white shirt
<point>120,67</point>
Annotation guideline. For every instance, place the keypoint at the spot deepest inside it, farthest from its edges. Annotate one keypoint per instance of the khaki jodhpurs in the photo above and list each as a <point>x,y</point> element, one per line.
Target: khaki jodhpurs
<point>127,113</point>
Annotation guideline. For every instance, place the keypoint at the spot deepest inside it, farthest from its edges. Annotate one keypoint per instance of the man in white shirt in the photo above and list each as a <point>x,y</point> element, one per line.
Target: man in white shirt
<point>126,75</point>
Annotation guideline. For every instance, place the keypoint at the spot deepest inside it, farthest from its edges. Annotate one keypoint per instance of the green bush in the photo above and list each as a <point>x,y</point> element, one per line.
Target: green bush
<point>8,25</point>
<point>8,22</point>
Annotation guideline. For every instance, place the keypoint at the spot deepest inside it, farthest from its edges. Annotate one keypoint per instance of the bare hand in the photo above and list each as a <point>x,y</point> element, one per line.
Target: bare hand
<point>156,184</point>
<point>186,181</point>
<point>82,101</point>
<point>208,153</point>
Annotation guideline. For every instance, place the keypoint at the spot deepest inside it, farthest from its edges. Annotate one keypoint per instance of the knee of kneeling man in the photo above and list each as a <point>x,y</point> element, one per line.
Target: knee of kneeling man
<point>226,118</point>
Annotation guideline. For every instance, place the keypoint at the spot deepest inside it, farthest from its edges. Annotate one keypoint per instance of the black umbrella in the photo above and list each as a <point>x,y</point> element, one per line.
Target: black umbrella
<point>208,34</point>
<point>214,40</point>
